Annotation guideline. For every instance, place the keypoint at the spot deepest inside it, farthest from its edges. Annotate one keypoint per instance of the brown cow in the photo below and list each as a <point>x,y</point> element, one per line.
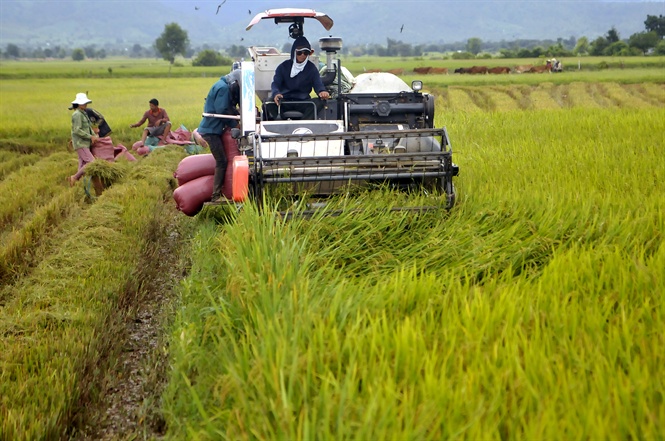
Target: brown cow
<point>472,70</point>
<point>478,70</point>
<point>396,71</point>
<point>439,70</point>
<point>422,70</point>
<point>541,69</point>
<point>523,68</point>
<point>499,70</point>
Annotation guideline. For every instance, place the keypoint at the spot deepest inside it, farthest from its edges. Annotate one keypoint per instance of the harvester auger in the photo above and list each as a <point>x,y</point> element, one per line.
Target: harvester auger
<point>375,129</point>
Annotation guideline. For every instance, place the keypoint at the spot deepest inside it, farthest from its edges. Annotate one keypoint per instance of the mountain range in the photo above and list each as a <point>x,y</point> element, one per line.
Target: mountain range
<point>221,23</point>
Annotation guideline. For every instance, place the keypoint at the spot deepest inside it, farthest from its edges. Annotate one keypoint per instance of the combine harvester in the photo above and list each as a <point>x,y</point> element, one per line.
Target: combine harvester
<point>380,131</point>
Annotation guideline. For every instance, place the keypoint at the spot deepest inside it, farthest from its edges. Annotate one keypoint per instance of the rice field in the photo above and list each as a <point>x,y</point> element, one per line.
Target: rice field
<point>532,310</point>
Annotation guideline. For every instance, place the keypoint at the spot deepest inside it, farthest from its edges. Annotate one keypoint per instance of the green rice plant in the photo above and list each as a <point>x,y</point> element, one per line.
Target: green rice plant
<point>504,98</point>
<point>561,95</point>
<point>18,250</point>
<point>120,67</point>
<point>31,186</point>
<point>580,96</point>
<point>541,97</point>
<point>10,162</point>
<point>531,310</point>
<point>121,102</point>
<point>621,96</point>
<point>59,322</point>
<point>460,100</point>
<point>108,172</point>
<point>652,93</point>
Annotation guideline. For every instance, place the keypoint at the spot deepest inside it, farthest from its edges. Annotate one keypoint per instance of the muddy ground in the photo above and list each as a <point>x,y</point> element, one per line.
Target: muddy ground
<point>126,402</point>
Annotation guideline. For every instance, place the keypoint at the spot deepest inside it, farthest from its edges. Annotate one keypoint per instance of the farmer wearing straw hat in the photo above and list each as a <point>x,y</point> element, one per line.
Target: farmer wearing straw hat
<point>82,135</point>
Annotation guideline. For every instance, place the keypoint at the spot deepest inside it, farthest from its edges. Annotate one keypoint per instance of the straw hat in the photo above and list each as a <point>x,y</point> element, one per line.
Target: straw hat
<point>81,98</point>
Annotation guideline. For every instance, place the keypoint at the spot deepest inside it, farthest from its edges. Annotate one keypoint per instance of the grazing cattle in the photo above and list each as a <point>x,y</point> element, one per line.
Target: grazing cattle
<point>478,70</point>
<point>396,71</point>
<point>499,70</point>
<point>541,69</point>
<point>523,68</point>
<point>439,70</point>
<point>422,70</point>
<point>472,70</point>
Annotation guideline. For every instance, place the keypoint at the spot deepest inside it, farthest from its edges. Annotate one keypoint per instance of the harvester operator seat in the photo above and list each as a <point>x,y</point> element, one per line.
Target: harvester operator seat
<point>292,114</point>
<point>273,112</point>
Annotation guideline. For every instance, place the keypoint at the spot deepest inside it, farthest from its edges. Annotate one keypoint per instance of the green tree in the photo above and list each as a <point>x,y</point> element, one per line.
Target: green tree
<point>474,45</point>
<point>90,51</point>
<point>612,35</point>
<point>598,46</point>
<point>237,51</point>
<point>171,42</point>
<point>655,24</point>
<point>582,46</point>
<point>644,41</point>
<point>137,50</point>
<point>462,56</point>
<point>209,57</point>
<point>660,48</point>
<point>13,50</point>
<point>617,48</point>
<point>78,54</point>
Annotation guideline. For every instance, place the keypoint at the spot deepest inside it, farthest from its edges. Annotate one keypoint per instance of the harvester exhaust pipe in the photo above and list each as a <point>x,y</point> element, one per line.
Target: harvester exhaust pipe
<point>331,45</point>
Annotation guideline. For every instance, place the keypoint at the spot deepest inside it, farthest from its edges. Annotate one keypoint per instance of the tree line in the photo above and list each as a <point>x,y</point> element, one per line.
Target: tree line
<point>175,41</point>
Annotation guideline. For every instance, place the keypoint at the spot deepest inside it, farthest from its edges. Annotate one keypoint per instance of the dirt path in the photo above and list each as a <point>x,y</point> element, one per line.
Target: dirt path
<point>129,398</point>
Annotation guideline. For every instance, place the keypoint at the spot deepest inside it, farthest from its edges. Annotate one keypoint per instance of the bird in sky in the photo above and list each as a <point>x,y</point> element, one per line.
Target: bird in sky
<point>401,29</point>
<point>196,8</point>
<point>219,6</point>
<point>249,11</point>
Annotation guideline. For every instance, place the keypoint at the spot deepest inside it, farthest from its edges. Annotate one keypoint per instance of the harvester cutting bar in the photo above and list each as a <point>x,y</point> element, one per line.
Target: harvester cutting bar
<point>365,167</point>
<point>324,163</point>
<point>410,108</point>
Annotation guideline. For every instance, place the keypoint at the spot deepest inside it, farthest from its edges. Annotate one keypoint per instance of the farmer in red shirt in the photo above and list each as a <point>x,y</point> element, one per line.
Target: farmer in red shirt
<point>158,121</point>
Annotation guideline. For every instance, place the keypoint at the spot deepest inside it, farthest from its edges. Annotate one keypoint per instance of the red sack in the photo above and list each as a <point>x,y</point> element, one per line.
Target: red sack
<point>191,196</point>
<point>121,151</point>
<point>103,149</point>
<point>194,166</point>
<point>231,150</point>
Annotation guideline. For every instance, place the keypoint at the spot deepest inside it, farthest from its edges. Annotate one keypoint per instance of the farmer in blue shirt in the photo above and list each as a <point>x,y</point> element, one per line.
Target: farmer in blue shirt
<point>295,78</point>
<point>223,98</point>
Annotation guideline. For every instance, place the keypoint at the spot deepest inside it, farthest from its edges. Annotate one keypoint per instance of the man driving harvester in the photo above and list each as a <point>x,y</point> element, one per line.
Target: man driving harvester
<point>295,78</point>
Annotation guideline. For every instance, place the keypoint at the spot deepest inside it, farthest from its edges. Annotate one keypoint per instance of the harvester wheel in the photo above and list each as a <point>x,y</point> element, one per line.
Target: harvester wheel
<point>451,193</point>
